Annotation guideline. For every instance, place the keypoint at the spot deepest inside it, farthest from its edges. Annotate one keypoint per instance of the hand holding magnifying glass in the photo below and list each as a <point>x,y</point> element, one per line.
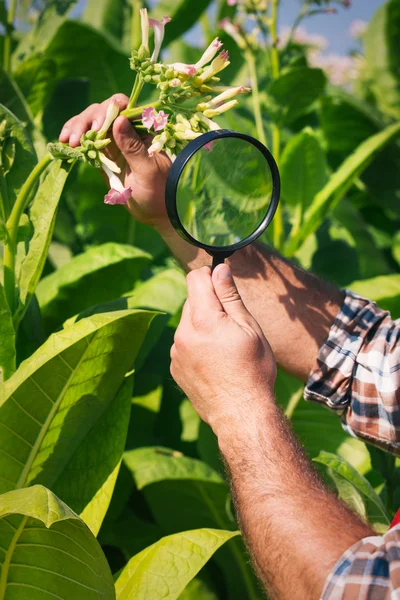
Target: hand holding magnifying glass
<point>222,192</point>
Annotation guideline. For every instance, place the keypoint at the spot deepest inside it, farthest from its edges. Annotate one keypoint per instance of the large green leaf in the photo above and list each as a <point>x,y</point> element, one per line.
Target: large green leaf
<point>47,550</point>
<point>382,49</point>
<point>384,290</point>
<point>350,474</point>
<point>346,123</point>
<point>24,154</point>
<point>165,568</point>
<point>80,283</point>
<point>184,14</point>
<point>165,292</point>
<point>87,482</point>
<point>56,396</point>
<point>198,589</point>
<point>304,172</point>
<point>7,336</point>
<point>319,429</point>
<point>107,67</point>
<point>13,98</point>
<point>43,213</point>
<point>339,184</point>
<point>36,78</point>
<point>294,92</point>
<point>184,493</point>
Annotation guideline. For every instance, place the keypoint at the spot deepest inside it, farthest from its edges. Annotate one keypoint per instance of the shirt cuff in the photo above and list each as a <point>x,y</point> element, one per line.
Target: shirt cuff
<point>331,379</point>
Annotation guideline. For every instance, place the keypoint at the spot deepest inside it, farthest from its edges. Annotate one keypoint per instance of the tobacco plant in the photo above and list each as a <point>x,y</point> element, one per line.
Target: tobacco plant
<point>109,484</point>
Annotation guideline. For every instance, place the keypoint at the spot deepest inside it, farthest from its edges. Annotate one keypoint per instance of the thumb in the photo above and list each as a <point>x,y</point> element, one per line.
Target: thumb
<point>130,144</point>
<point>227,292</point>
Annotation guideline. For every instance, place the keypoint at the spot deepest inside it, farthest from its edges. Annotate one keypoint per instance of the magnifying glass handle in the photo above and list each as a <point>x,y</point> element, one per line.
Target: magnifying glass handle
<point>217,260</point>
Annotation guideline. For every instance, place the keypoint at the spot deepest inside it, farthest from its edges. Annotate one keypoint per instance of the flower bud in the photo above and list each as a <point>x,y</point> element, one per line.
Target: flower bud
<point>214,112</point>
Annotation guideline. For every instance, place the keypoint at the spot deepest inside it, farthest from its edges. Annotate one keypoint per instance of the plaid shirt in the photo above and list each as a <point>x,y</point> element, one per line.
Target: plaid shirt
<point>357,375</point>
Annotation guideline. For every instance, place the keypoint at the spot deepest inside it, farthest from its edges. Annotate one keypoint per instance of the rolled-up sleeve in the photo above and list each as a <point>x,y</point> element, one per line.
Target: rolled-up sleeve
<point>368,570</point>
<point>357,373</point>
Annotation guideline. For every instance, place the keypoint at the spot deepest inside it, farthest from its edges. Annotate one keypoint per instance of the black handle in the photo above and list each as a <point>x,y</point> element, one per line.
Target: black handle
<point>217,259</point>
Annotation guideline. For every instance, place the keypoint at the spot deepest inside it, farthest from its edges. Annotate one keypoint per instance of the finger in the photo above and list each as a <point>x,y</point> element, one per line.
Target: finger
<point>227,293</point>
<point>130,144</point>
<point>77,126</point>
<point>99,116</point>
<point>204,303</point>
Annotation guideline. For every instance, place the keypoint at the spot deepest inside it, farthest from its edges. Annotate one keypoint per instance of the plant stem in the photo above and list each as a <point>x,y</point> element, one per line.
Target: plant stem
<point>276,133</point>
<point>251,63</point>
<point>135,24</point>
<point>7,39</point>
<point>137,88</point>
<point>10,248</point>
<point>133,113</point>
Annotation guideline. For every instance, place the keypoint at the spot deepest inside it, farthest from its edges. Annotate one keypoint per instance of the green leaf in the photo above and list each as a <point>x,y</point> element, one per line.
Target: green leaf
<point>382,49</point>
<point>339,184</point>
<point>165,292</point>
<point>107,68</point>
<point>13,98</point>
<point>184,14</point>
<point>88,480</point>
<point>56,396</point>
<point>80,283</point>
<point>319,429</point>
<point>304,170</point>
<point>384,290</point>
<point>165,568</point>
<point>48,550</point>
<point>350,474</point>
<point>37,78</point>
<point>43,213</point>
<point>184,493</point>
<point>349,494</point>
<point>294,92</point>
<point>7,336</point>
<point>25,155</point>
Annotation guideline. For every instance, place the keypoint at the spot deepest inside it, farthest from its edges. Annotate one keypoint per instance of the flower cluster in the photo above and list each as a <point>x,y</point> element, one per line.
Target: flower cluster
<point>171,122</point>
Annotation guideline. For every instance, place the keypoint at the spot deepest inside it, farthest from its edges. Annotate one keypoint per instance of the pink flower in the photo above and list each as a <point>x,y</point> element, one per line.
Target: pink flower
<point>118,194</point>
<point>148,116</point>
<point>115,197</point>
<point>160,120</point>
<point>231,2</point>
<point>209,146</point>
<point>218,64</point>
<point>159,32</point>
<point>151,118</point>
<point>185,69</point>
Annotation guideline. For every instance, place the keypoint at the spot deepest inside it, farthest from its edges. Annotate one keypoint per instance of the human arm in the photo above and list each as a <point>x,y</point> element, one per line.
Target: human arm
<point>294,527</point>
<point>294,308</point>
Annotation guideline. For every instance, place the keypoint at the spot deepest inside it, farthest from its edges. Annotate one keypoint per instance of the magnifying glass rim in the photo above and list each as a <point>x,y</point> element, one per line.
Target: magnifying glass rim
<point>176,172</point>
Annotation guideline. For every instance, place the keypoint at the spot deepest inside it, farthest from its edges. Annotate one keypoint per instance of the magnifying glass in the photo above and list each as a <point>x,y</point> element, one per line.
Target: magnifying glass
<point>222,192</point>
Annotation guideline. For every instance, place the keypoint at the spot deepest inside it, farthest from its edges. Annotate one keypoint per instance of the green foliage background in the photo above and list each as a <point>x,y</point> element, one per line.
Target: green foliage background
<point>110,469</point>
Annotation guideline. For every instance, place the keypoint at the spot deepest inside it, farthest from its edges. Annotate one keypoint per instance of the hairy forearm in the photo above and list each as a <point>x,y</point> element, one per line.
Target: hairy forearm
<point>294,308</point>
<point>294,527</point>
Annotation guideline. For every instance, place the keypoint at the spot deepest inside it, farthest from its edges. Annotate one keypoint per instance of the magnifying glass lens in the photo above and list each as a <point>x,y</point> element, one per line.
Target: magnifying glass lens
<point>224,192</point>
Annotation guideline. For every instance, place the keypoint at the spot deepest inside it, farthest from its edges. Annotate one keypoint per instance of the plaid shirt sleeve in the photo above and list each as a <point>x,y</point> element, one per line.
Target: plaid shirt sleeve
<point>357,373</point>
<point>369,570</point>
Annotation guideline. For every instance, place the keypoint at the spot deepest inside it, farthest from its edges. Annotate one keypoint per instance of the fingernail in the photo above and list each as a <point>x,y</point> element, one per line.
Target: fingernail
<point>124,126</point>
<point>73,139</point>
<point>95,125</point>
<point>64,131</point>
<point>224,272</point>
